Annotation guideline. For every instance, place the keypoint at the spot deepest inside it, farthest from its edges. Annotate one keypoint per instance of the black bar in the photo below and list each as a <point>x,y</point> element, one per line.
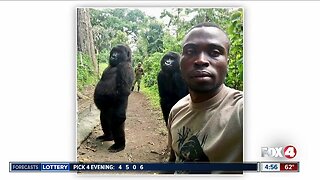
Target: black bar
<point>164,167</point>
<point>72,166</point>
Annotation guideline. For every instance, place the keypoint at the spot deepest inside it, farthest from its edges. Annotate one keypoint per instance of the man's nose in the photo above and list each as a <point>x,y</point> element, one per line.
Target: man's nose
<point>202,61</point>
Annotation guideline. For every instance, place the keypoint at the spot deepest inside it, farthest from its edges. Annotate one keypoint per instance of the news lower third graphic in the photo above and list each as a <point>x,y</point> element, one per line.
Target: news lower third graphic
<point>276,152</point>
<point>138,167</point>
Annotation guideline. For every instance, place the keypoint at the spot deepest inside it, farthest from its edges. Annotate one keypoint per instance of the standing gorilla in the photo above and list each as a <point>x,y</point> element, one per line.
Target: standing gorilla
<point>170,83</point>
<point>111,96</point>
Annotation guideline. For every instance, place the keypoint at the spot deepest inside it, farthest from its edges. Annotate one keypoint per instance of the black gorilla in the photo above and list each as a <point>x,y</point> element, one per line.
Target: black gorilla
<point>111,96</point>
<point>170,83</point>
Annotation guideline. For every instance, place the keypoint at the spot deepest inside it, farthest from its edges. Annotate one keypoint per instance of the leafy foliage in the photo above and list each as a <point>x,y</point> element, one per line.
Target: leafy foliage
<point>235,30</point>
<point>103,56</point>
<point>85,71</point>
<point>151,68</point>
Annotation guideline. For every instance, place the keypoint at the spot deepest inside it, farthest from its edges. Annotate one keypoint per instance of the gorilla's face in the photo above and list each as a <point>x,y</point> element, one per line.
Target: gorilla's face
<point>119,54</point>
<point>170,62</point>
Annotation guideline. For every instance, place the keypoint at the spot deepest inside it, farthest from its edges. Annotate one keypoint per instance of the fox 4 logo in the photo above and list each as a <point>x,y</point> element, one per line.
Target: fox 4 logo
<point>279,152</point>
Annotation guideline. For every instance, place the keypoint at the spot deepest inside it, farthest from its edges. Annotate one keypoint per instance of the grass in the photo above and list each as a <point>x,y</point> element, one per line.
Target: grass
<point>152,95</point>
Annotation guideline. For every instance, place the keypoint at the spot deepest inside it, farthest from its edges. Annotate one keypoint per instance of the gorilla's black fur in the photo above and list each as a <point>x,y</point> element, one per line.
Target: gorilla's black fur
<point>111,96</point>
<point>170,83</point>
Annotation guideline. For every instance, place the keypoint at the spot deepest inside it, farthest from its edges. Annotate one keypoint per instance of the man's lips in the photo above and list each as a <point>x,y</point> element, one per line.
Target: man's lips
<point>199,74</point>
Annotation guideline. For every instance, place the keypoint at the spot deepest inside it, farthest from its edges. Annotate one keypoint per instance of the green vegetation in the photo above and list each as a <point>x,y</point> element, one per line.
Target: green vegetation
<point>85,72</point>
<point>152,94</point>
<point>102,67</point>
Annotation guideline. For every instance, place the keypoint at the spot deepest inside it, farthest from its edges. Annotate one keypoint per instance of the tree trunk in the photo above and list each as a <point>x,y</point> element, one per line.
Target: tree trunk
<point>85,42</point>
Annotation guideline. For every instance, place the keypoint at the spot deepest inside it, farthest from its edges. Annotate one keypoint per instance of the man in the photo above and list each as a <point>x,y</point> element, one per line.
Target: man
<point>138,76</point>
<point>206,125</point>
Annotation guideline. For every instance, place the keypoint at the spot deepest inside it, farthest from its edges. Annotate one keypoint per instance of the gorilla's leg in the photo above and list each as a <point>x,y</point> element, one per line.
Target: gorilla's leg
<point>105,118</point>
<point>165,107</point>
<point>166,117</point>
<point>118,125</point>
<point>119,138</point>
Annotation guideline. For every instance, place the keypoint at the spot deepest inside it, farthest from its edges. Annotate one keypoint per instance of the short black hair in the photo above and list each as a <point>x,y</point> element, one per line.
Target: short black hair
<point>210,24</point>
<point>206,24</point>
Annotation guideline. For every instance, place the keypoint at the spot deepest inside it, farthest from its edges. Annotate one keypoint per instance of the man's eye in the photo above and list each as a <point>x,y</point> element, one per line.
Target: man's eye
<point>190,51</point>
<point>214,53</point>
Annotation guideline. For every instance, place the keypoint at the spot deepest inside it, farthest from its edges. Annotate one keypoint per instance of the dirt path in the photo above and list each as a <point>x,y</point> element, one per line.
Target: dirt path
<point>146,136</point>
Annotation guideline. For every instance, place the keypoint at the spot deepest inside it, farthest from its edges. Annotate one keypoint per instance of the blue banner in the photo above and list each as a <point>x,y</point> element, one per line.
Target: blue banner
<point>76,167</point>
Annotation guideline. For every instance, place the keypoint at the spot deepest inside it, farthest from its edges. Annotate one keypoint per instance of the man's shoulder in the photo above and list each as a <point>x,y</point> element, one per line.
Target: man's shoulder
<point>183,102</point>
<point>235,100</point>
<point>234,94</point>
<point>178,108</point>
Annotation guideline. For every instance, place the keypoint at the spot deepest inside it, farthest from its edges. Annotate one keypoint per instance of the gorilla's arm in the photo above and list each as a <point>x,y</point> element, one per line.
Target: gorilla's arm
<point>161,86</point>
<point>107,83</point>
<point>181,88</point>
<point>125,77</point>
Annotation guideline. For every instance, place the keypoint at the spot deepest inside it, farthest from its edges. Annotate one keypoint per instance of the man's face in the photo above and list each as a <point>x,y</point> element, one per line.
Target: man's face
<point>204,59</point>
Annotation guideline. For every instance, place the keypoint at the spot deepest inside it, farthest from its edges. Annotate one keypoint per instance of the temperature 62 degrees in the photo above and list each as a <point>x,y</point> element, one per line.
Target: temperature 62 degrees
<point>289,167</point>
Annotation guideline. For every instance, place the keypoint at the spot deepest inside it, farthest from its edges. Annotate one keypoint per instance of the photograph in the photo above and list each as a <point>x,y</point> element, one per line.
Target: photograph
<point>160,85</point>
